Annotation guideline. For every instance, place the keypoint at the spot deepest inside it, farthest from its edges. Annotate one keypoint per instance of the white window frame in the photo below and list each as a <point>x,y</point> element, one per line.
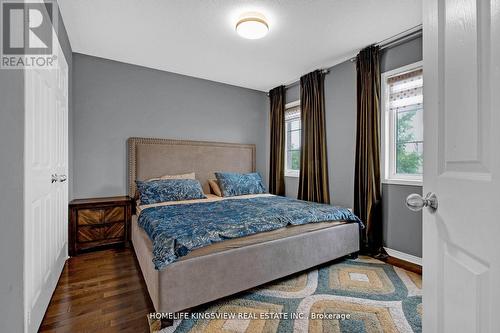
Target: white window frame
<point>290,172</point>
<point>388,121</point>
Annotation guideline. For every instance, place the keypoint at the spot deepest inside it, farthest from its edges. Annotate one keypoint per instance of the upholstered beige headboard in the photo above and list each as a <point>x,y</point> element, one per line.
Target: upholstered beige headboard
<point>150,158</point>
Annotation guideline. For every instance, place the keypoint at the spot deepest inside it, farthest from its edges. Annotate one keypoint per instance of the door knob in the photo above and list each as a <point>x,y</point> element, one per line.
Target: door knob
<point>416,202</point>
<point>58,178</point>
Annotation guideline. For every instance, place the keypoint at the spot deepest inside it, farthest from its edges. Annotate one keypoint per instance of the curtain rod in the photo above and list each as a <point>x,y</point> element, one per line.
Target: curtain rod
<point>324,71</point>
<point>398,39</point>
<point>389,42</point>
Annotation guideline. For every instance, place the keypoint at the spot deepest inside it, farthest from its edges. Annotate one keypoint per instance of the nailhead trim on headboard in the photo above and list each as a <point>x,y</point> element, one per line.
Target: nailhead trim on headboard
<point>133,142</point>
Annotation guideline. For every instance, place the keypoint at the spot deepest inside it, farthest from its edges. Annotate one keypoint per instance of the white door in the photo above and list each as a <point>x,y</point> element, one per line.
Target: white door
<point>46,188</point>
<point>461,257</point>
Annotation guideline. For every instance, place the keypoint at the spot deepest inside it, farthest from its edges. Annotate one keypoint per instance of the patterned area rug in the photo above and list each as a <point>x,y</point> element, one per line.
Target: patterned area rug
<point>362,295</point>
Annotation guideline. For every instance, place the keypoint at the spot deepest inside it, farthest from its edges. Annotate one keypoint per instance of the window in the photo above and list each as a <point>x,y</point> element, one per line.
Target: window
<point>292,139</point>
<point>402,125</point>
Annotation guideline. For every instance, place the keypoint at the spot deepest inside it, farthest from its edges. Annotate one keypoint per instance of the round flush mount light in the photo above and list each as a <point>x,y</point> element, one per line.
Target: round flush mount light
<point>252,26</point>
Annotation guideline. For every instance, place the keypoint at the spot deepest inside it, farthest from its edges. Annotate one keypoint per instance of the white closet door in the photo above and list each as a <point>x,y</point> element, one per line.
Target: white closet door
<point>46,186</point>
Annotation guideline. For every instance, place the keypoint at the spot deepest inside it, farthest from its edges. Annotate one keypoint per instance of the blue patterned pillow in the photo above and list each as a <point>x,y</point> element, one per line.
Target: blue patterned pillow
<point>155,191</point>
<point>232,183</point>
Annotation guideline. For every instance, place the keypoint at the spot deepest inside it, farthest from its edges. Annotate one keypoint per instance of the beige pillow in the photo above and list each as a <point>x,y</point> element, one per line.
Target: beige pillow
<point>181,176</point>
<point>214,185</point>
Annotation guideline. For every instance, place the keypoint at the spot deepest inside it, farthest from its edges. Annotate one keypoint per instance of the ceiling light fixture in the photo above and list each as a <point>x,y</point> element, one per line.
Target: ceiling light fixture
<point>252,26</point>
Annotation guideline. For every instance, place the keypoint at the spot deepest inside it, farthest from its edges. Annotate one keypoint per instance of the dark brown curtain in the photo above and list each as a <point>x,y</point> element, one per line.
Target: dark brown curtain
<point>313,179</point>
<point>277,158</point>
<point>367,193</point>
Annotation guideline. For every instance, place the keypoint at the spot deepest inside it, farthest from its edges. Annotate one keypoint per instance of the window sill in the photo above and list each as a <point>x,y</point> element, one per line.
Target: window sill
<point>407,182</point>
<point>292,174</point>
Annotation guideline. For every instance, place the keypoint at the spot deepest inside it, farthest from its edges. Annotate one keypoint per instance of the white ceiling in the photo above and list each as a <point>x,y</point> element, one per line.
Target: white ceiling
<point>197,37</point>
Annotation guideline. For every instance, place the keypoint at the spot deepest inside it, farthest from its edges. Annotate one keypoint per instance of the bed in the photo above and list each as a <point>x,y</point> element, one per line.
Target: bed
<point>234,265</point>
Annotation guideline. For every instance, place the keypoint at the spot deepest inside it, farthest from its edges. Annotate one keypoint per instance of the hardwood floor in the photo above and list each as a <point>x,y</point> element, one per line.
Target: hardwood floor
<point>99,292</point>
<point>104,292</point>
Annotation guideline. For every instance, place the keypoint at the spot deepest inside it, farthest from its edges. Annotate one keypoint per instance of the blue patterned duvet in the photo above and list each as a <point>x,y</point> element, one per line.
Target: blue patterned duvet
<point>176,230</point>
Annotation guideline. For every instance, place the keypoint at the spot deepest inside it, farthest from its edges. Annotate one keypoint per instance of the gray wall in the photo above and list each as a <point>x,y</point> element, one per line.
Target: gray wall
<point>402,228</point>
<point>114,101</point>
<point>12,191</point>
<point>340,105</point>
<point>11,203</point>
<point>401,55</point>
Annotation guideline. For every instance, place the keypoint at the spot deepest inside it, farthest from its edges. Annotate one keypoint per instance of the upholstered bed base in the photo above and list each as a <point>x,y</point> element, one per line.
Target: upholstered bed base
<point>195,281</point>
<point>200,279</point>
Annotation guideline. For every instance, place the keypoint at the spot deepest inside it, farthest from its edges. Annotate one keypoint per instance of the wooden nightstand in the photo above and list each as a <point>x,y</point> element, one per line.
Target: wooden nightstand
<point>98,222</point>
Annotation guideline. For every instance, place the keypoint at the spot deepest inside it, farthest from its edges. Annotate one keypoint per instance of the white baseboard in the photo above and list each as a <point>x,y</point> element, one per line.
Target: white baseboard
<point>403,256</point>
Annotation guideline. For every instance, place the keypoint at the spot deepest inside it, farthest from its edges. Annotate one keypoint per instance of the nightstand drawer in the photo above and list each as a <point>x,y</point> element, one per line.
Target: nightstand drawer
<point>114,214</point>
<point>89,216</point>
<point>101,216</point>
<point>115,230</point>
<point>92,233</point>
